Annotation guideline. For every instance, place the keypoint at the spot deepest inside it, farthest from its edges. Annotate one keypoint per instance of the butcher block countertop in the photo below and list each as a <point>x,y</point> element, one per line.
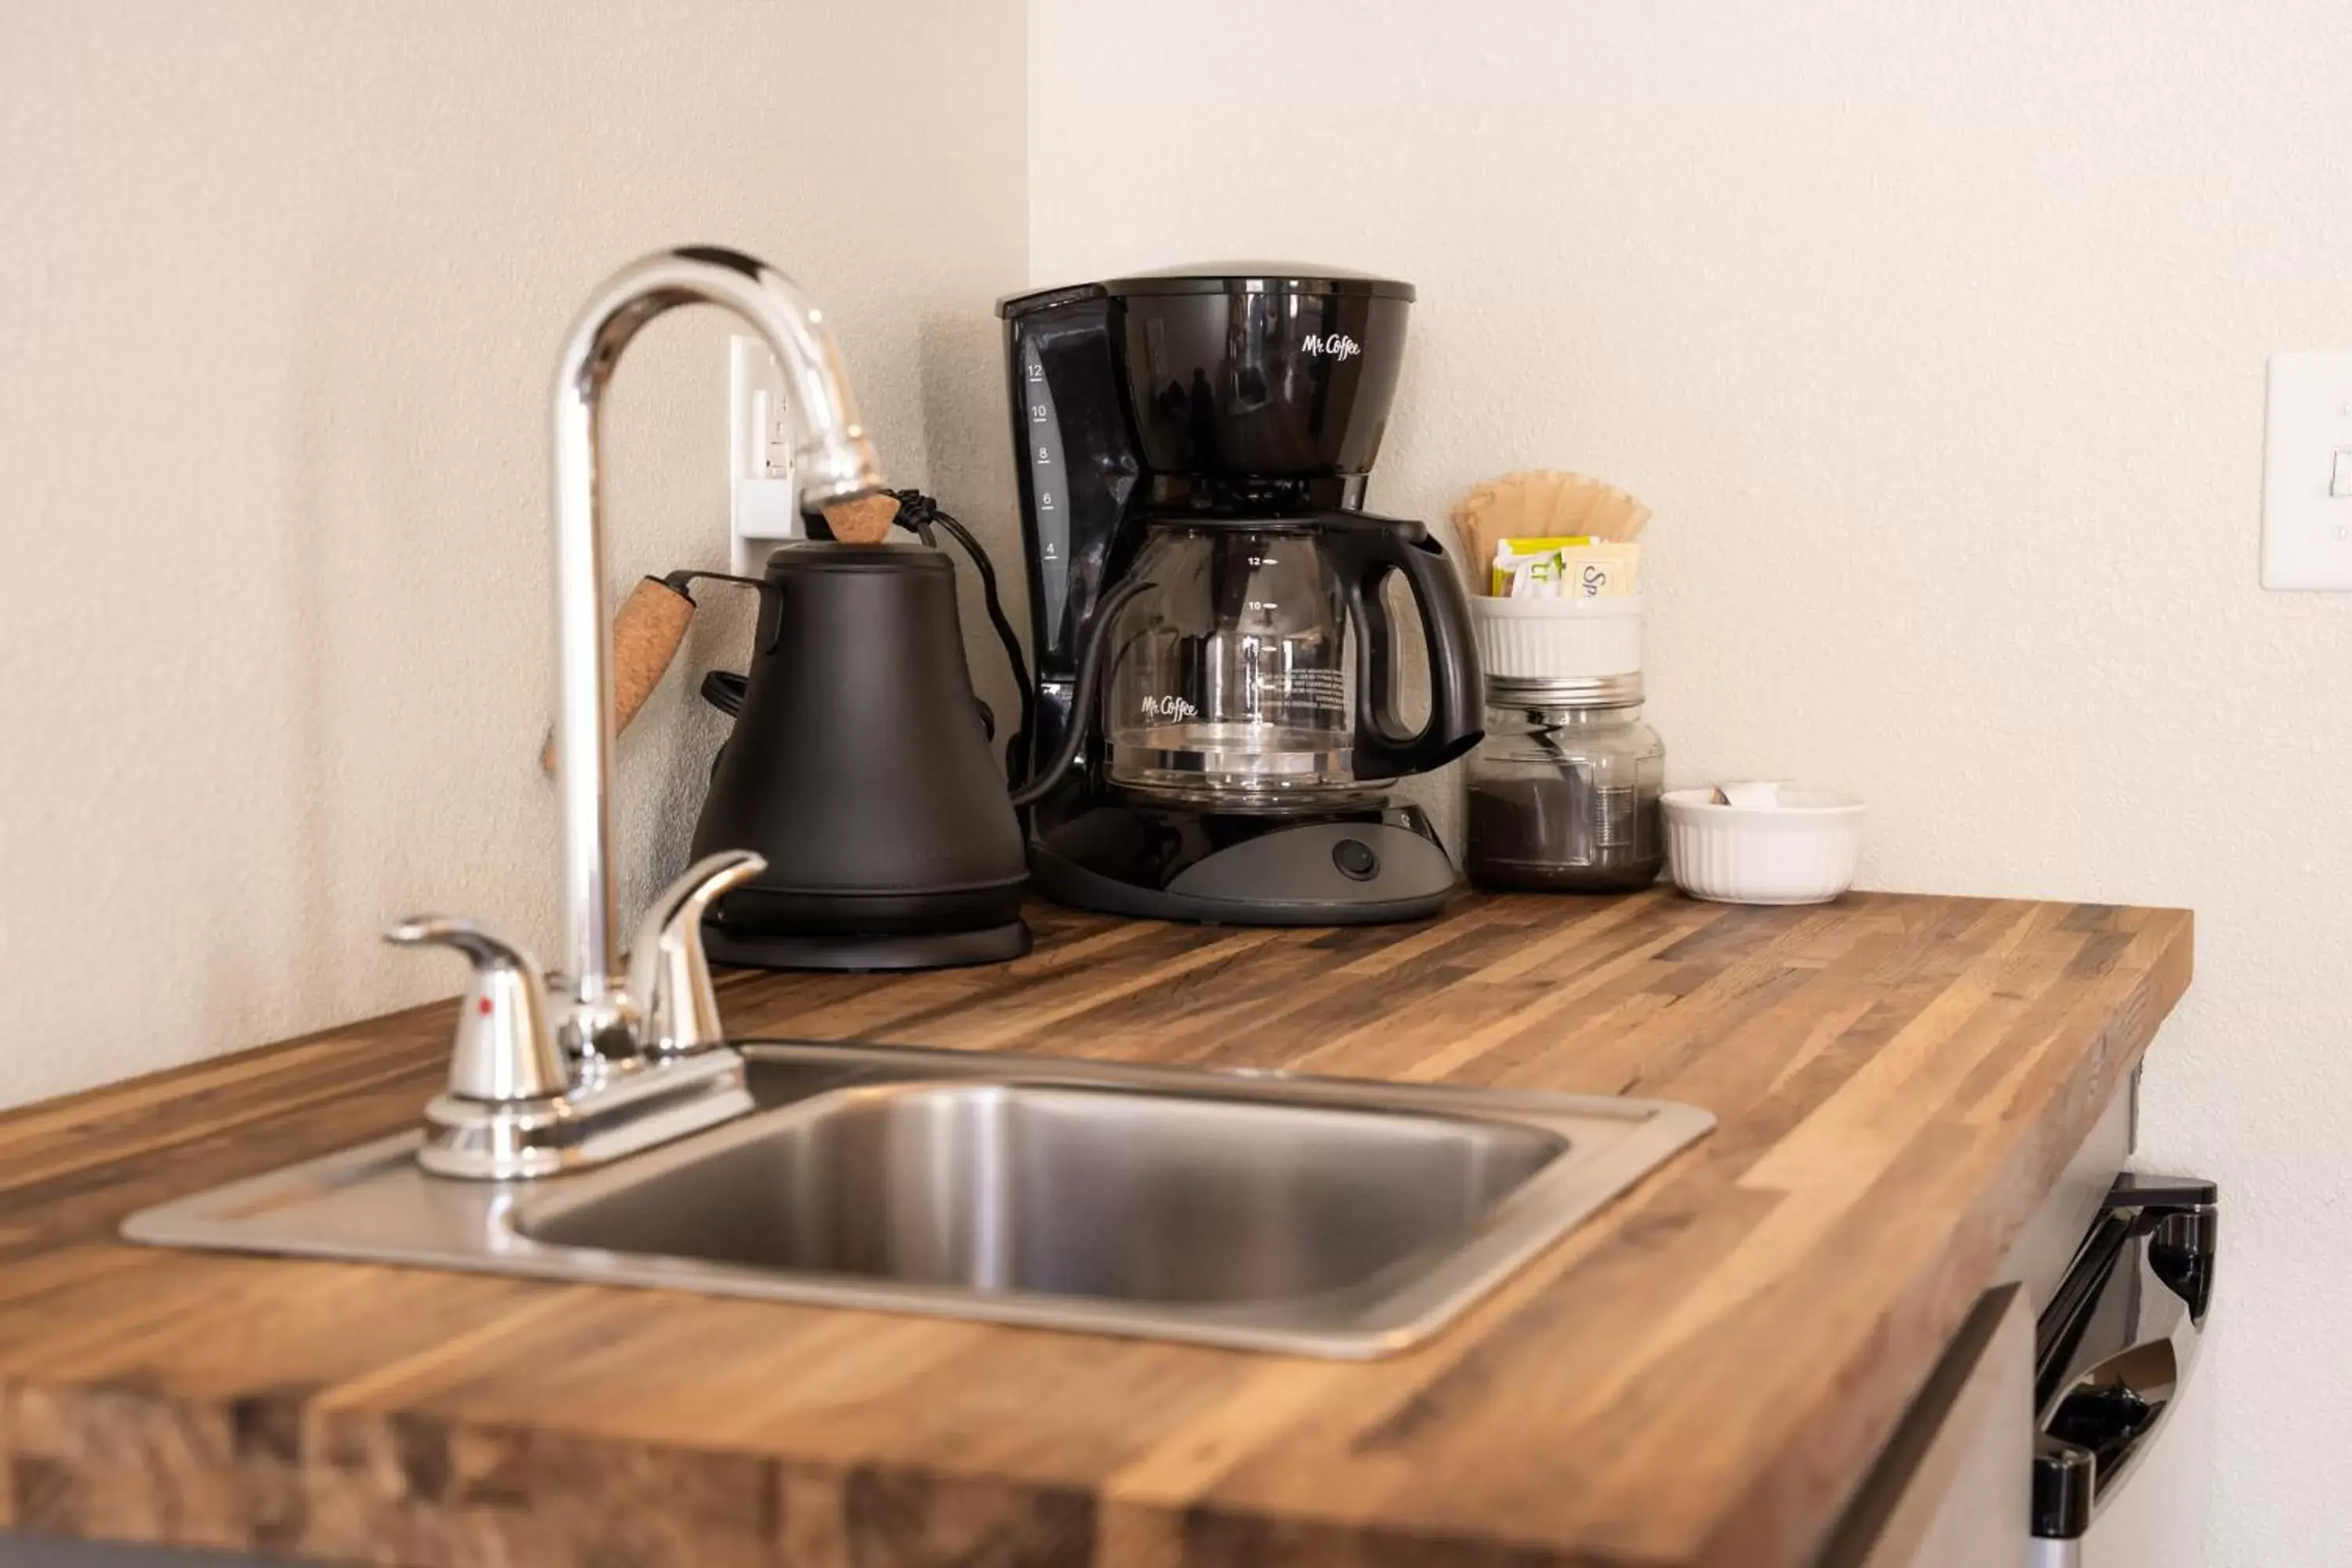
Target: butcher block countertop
<point>1701,1374</point>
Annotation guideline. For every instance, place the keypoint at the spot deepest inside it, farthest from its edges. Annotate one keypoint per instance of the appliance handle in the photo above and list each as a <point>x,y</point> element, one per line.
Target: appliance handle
<point>1366,550</point>
<point>646,631</point>
<point>2130,1341</point>
<point>724,689</point>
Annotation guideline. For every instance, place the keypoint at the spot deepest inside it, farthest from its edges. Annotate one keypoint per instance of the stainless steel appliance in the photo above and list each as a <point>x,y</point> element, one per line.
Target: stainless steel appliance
<point>2062,1426</point>
<point>1218,664</point>
<point>2115,1349</point>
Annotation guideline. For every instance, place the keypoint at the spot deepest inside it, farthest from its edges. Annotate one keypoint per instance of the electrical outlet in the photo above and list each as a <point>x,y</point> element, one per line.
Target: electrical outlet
<point>2307,473</point>
<point>763,499</point>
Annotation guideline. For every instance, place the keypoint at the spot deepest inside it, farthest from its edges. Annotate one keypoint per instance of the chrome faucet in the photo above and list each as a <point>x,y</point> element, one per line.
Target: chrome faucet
<point>553,1072</point>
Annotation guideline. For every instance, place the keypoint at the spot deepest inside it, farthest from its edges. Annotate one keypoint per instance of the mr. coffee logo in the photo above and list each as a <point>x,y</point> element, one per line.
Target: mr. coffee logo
<point>1335,345</point>
<point>1172,710</point>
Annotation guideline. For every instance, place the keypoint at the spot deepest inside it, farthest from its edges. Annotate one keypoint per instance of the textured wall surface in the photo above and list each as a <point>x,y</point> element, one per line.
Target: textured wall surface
<point>281,288</point>
<point>1935,333</point>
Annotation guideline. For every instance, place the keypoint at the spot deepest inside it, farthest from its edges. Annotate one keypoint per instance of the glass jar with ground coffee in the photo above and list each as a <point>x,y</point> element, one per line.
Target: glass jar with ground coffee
<point>1564,789</point>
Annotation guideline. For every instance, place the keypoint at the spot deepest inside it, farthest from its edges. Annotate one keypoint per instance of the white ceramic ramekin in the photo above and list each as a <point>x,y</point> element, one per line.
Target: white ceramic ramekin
<point>1802,851</point>
<point>1551,640</point>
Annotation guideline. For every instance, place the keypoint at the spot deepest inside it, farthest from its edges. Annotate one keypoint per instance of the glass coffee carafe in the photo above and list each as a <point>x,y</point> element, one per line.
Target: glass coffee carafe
<point>1258,671</point>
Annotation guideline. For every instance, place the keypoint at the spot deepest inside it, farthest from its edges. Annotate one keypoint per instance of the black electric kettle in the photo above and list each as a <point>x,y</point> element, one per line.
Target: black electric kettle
<point>860,768</point>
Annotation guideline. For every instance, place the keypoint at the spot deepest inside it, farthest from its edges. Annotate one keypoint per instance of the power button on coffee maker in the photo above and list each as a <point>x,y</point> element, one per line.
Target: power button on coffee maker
<point>1356,859</point>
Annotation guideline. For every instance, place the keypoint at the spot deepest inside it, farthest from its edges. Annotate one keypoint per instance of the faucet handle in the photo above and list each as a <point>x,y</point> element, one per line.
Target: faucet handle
<point>670,974</point>
<point>505,1051</point>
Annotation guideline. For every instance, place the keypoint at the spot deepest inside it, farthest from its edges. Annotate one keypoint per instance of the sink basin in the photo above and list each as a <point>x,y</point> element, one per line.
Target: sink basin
<point>1113,1194</point>
<point>1311,1216</point>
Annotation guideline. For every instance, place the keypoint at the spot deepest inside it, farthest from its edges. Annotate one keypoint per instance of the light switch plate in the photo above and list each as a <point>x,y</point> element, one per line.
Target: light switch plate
<point>2306,521</point>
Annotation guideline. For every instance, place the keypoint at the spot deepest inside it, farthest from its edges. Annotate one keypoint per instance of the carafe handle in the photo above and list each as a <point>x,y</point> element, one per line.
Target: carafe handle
<point>1366,550</point>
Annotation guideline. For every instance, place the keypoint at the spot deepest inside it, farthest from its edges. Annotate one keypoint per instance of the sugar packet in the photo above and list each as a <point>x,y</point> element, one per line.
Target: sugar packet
<point>1571,566</point>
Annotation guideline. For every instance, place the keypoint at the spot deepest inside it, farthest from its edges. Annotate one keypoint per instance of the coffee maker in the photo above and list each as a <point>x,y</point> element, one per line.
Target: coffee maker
<point>1217,661</point>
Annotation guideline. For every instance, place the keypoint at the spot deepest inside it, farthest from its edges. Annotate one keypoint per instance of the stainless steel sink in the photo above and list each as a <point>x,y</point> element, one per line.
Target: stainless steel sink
<point>1311,1216</point>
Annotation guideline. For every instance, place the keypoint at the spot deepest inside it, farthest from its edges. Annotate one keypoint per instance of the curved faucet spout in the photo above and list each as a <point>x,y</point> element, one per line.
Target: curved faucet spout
<point>833,461</point>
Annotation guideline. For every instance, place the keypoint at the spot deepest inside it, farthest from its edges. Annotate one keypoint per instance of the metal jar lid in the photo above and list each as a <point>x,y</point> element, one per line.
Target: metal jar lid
<point>1619,690</point>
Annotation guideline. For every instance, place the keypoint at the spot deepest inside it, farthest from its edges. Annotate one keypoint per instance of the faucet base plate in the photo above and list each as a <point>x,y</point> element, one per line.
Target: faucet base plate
<point>635,1105</point>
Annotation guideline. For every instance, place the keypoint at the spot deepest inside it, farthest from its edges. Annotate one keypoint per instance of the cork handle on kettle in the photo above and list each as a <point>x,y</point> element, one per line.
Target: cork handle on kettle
<point>647,633</point>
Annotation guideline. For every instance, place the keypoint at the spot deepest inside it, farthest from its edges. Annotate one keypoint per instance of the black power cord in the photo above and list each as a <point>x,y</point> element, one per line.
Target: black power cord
<point>1082,702</point>
<point>918,514</point>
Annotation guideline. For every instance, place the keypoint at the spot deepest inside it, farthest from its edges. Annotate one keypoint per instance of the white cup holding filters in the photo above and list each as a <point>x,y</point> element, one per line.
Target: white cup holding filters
<point>1556,639</point>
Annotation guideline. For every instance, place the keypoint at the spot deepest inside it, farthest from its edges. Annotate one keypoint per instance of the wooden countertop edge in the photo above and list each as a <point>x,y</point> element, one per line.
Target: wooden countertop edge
<point>2030,1169</point>
<point>245,1467</point>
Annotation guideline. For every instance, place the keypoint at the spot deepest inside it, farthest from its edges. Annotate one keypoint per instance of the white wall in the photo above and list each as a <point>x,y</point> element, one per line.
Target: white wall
<point>281,288</point>
<point>1935,333</point>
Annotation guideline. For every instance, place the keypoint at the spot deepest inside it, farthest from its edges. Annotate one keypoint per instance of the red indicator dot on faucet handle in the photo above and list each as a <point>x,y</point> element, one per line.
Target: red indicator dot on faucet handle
<point>483,1006</point>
